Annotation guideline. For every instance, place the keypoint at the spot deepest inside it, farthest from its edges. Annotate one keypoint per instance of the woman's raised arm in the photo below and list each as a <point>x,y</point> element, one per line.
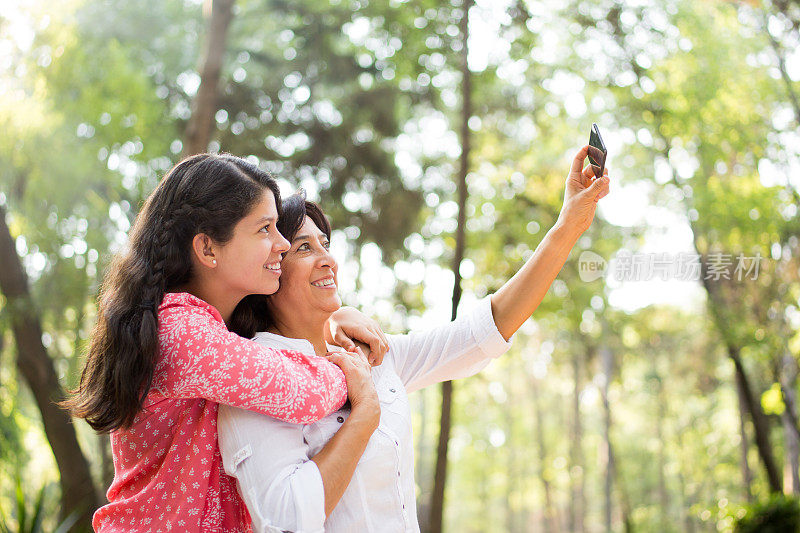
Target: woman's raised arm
<point>519,297</point>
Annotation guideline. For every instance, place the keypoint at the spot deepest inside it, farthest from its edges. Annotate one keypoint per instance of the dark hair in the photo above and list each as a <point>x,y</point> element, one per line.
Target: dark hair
<point>204,193</point>
<point>253,313</point>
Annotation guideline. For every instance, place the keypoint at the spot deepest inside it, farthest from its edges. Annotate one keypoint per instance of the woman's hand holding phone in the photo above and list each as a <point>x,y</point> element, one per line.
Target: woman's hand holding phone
<point>583,191</point>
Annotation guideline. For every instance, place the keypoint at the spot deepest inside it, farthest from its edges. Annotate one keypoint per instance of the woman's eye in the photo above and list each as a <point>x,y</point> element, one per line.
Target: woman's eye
<point>265,229</point>
<point>326,245</point>
<point>303,247</point>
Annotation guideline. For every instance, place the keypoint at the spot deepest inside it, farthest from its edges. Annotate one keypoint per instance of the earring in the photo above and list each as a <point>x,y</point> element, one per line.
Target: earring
<point>213,261</point>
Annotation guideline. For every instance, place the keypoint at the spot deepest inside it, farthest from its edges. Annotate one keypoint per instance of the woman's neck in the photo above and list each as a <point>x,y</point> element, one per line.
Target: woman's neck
<point>223,301</point>
<point>311,329</point>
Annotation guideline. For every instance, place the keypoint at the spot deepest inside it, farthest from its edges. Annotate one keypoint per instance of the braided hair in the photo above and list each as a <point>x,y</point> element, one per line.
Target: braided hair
<point>253,314</point>
<point>205,193</point>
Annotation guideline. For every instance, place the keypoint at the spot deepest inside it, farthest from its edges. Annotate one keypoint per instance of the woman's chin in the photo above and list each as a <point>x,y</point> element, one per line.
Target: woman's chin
<point>334,305</point>
<point>270,287</point>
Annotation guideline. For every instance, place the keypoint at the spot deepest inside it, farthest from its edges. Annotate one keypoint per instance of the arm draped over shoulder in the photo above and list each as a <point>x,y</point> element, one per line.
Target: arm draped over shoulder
<point>200,358</point>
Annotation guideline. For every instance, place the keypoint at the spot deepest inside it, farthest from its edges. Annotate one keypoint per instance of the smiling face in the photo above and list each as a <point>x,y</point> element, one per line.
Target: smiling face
<point>250,263</point>
<point>308,283</point>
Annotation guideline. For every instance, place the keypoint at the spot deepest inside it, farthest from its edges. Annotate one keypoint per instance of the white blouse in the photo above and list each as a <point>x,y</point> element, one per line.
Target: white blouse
<point>271,459</point>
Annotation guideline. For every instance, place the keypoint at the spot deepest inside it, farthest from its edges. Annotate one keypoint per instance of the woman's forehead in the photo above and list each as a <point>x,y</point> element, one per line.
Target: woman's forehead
<point>309,228</point>
<point>264,207</point>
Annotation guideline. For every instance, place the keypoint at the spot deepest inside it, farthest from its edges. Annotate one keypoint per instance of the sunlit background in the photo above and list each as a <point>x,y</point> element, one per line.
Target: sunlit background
<point>654,399</point>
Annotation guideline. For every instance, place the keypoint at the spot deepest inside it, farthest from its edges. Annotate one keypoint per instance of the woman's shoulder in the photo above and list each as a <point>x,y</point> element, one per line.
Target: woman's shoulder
<point>186,320</point>
<point>273,340</point>
<point>181,305</point>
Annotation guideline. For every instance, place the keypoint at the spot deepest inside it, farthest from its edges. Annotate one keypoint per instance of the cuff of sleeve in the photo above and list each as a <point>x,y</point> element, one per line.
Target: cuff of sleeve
<point>312,508</point>
<point>489,339</point>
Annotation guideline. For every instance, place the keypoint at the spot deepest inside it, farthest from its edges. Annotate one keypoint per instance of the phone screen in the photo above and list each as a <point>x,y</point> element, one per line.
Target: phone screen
<point>598,161</point>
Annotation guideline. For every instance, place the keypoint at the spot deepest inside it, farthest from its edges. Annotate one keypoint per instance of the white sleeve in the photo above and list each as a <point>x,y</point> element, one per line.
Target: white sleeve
<point>454,350</point>
<point>278,481</point>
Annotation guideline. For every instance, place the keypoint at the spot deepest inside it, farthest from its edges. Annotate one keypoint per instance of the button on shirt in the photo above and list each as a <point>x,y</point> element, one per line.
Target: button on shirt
<point>271,459</point>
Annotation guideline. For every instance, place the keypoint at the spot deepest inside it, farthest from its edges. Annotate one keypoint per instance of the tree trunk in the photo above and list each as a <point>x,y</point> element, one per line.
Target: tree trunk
<point>624,500</point>
<point>421,452</point>
<point>788,380</point>
<point>751,404</point>
<point>608,459</point>
<point>577,501</point>
<point>437,496</point>
<point>205,104</point>
<point>612,476</point>
<point>787,80</point>
<point>106,459</point>
<point>512,467</point>
<point>661,418</point>
<point>440,474</point>
<point>760,422</point>
<point>747,475</point>
<point>687,500</point>
<point>77,488</point>
<point>549,517</point>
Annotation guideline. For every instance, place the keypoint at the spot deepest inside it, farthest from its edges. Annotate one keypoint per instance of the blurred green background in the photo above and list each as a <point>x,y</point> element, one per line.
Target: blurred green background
<point>655,398</point>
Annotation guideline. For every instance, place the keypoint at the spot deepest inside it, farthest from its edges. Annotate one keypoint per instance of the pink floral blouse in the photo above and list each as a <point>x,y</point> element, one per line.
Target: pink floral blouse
<point>168,473</point>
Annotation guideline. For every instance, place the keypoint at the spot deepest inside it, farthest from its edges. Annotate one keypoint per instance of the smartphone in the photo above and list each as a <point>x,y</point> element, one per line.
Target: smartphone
<point>598,163</point>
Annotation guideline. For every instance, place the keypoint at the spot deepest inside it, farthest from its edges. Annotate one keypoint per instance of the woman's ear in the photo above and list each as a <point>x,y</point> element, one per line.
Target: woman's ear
<point>203,250</point>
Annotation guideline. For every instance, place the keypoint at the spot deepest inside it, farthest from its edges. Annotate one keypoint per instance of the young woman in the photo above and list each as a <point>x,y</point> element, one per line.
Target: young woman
<point>353,470</point>
<point>161,356</point>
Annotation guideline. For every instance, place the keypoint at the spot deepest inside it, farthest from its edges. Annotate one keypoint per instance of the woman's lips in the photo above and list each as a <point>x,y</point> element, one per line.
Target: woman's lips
<point>275,267</point>
<point>324,283</point>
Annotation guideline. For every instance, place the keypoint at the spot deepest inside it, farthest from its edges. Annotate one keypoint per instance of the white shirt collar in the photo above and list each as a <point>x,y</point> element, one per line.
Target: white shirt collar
<point>287,343</point>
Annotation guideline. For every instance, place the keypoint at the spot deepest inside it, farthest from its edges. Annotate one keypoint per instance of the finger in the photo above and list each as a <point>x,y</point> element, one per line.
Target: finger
<point>596,187</point>
<point>384,346</point>
<point>590,172</point>
<point>363,350</point>
<point>362,353</point>
<point>359,357</point>
<point>341,359</point>
<point>577,163</point>
<point>340,339</point>
<point>603,188</point>
<point>605,191</point>
<point>587,176</point>
<point>372,339</point>
<point>375,358</point>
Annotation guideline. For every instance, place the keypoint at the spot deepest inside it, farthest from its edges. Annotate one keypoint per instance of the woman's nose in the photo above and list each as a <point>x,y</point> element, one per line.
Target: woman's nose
<point>327,260</point>
<point>281,245</point>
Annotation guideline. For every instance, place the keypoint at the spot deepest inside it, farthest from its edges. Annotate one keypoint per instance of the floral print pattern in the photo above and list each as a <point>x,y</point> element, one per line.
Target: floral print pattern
<point>168,473</point>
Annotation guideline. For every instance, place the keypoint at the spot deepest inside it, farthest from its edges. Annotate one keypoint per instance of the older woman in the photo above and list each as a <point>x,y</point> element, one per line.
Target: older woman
<point>353,470</point>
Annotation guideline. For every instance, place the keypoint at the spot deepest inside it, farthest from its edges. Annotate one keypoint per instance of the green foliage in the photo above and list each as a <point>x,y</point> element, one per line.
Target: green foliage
<point>10,417</point>
<point>29,514</point>
<point>778,514</point>
<point>27,518</point>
